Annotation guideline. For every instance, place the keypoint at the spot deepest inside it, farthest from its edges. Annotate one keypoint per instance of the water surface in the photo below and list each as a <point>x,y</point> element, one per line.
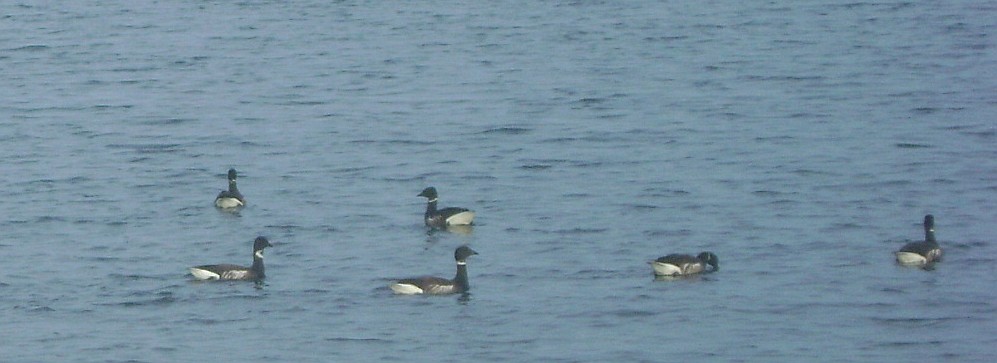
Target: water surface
<point>800,142</point>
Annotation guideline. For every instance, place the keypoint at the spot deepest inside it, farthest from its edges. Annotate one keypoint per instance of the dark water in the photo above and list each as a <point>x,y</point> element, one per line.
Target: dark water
<point>801,142</point>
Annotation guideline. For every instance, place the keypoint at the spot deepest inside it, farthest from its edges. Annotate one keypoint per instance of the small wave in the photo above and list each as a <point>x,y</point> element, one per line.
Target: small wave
<point>209,321</point>
<point>580,230</point>
<point>134,277</point>
<point>357,340</point>
<point>147,148</point>
<point>982,134</point>
<point>302,103</point>
<point>109,107</point>
<point>590,101</point>
<point>907,344</point>
<point>30,48</point>
<point>284,227</point>
<point>811,172</point>
<point>907,145</point>
<point>507,131</point>
<point>774,139</point>
<point>925,110</point>
<point>651,192</point>
<point>169,121</point>
<point>912,322</point>
<point>597,274</point>
<point>358,169</point>
<point>546,161</point>
<point>393,142</point>
<point>561,140</point>
<point>134,69</point>
<point>34,308</point>
<point>633,313</point>
<point>665,38</point>
<point>160,301</point>
<point>45,219</point>
<point>972,244</point>
<point>611,116</point>
<point>536,166</point>
<point>669,233</point>
<point>104,259</point>
<point>842,226</point>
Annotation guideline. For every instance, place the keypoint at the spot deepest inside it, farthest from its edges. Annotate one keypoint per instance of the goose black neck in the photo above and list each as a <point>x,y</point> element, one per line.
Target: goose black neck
<point>258,266</point>
<point>461,279</point>
<point>431,206</point>
<point>929,235</point>
<point>232,188</point>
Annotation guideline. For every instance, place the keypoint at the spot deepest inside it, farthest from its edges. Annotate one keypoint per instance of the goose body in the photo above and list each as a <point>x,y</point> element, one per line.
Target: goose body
<point>230,198</point>
<point>441,218</point>
<point>432,285</point>
<point>235,272</point>
<point>682,265</point>
<point>922,252</point>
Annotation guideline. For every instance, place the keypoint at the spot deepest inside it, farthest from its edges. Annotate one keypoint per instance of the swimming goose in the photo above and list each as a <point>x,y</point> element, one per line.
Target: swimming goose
<point>922,252</point>
<point>437,285</point>
<point>441,218</point>
<point>235,272</point>
<point>681,265</point>
<point>230,198</point>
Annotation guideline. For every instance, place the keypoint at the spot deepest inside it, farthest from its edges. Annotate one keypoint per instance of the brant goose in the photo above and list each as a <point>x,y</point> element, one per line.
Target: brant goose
<point>230,198</point>
<point>234,272</point>
<point>681,265</point>
<point>437,285</point>
<point>441,218</point>
<point>923,252</point>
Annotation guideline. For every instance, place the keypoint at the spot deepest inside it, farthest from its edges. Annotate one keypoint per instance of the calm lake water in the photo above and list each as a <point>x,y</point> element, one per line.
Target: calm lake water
<point>802,142</point>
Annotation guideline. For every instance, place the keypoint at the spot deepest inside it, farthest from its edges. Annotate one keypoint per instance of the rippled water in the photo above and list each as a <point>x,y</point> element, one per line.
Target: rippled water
<point>800,142</point>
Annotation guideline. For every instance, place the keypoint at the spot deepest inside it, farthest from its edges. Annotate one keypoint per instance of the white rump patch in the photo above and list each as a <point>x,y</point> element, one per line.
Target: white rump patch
<point>462,218</point>
<point>203,274</point>
<point>665,269</point>
<point>911,258</point>
<point>405,289</point>
<point>228,203</point>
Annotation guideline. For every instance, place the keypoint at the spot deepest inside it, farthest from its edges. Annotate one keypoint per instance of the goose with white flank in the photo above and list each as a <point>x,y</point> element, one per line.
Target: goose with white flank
<point>235,272</point>
<point>921,253</point>
<point>432,285</point>
<point>441,218</point>
<point>682,265</point>
<point>230,198</point>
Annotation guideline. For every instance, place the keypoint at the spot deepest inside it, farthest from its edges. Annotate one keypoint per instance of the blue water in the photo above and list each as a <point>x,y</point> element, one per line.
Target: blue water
<point>802,142</point>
